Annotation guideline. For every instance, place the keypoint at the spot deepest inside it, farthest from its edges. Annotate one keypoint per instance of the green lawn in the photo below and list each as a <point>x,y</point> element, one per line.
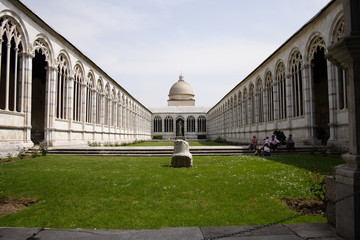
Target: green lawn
<point>144,192</point>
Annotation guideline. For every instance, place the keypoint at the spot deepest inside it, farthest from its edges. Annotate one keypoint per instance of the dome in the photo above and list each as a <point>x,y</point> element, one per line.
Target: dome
<point>181,94</point>
<point>181,88</point>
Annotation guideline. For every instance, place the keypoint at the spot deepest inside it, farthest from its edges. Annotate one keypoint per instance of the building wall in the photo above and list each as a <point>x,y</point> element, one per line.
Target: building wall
<point>169,133</point>
<point>49,86</point>
<point>257,106</point>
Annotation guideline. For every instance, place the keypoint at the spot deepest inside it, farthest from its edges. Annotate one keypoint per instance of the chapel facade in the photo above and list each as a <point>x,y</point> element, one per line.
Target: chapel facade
<point>181,118</point>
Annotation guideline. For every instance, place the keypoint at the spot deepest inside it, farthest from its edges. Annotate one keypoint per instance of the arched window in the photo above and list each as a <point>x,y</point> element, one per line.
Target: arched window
<point>11,79</point>
<point>240,106</point>
<point>260,100</point>
<point>90,89</point>
<point>297,85</point>
<point>269,96</point>
<point>252,103</point>
<point>169,124</point>
<point>236,115</point>
<point>62,87</point>
<point>201,124</point>
<point>190,122</point>
<point>123,109</point>
<point>245,101</point>
<point>77,93</point>
<point>113,107</point>
<point>107,114</point>
<point>99,102</point>
<point>157,124</point>
<point>119,110</point>
<point>341,73</point>
<point>281,85</point>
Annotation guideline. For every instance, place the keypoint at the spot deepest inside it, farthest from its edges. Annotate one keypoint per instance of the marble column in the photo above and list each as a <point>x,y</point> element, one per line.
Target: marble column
<point>346,53</point>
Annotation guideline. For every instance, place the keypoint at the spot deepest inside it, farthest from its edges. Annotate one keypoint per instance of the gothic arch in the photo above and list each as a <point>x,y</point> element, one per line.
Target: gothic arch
<point>77,91</point>
<point>42,43</point>
<point>201,123</point>
<point>65,55</point>
<point>252,103</point>
<point>14,17</point>
<point>168,124</point>
<point>99,85</point>
<point>157,124</point>
<point>280,79</point>
<point>269,88</point>
<point>277,64</point>
<point>190,124</point>
<point>113,94</point>
<point>259,84</point>
<point>62,87</point>
<point>295,56</point>
<point>320,85</point>
<point>107,90</point>
<point>315,42</point>
<point>79,68</point>
<point>90,93</point>
<point>337,29</point>
<point>90,80</point>
<point>12,65</point>
<point>259,100</point>
<point>63,61</point>
<point>295,70</point>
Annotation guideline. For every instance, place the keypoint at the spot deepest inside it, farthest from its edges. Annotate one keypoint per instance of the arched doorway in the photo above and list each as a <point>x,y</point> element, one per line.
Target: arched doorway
<point>39,73</point>
<point>321,96</point>
<point>180,127</point>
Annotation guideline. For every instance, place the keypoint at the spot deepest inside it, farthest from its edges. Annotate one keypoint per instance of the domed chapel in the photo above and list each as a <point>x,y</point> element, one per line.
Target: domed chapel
<point>181,118</point>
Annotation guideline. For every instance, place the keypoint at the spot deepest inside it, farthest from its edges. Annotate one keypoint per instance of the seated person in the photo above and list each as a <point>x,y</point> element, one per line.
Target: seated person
<point>274,143</point>
<point>290,144</point>
<point>267,150</point>
<point>253,143</point>
<point>258,151</point>
<point>266,141</point>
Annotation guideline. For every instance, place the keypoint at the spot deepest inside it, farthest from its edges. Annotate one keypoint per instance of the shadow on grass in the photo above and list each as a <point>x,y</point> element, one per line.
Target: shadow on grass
<point>321,164</point>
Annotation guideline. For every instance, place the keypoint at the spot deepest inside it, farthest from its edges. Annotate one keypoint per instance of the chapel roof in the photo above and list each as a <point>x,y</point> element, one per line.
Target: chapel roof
<point>181,87</point>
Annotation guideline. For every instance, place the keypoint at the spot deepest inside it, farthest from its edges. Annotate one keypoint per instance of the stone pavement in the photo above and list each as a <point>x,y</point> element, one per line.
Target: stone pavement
<point>318,231</point>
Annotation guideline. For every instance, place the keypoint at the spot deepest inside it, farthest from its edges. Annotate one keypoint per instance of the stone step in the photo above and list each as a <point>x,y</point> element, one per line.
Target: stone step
<point>164,151</point>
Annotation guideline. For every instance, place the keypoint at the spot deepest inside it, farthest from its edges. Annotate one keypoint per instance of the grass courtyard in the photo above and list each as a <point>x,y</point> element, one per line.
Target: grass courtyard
<point>145,193</point>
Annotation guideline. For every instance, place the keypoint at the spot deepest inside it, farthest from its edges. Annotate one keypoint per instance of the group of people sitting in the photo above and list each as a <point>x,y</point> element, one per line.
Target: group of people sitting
<point>269,145</point>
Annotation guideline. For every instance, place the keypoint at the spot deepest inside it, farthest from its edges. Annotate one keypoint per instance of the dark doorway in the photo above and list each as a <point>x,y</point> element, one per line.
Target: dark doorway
<point>180,127</point>
<point>321,96</point>
<point>39,73</point>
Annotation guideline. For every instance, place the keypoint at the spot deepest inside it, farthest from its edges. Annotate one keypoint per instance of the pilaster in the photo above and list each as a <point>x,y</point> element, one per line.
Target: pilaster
<point>346,53</point>
<point>27,94</point>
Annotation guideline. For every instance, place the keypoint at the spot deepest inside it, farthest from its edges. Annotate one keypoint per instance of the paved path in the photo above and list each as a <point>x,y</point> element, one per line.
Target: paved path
<point>318,231</point>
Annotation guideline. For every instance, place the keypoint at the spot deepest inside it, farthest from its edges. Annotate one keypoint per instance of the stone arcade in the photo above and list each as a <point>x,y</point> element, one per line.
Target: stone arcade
<point>50,91</point>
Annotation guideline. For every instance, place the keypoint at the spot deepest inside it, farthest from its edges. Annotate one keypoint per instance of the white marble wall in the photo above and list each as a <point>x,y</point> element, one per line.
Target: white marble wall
<point>229,119</point>
<point>15,126</point>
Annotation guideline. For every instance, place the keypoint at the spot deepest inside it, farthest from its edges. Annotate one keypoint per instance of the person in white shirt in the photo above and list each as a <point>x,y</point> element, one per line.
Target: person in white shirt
<point>274,143</point>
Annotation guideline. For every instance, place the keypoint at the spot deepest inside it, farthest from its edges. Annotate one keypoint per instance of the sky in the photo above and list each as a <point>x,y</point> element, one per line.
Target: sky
<point>145,45</point>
